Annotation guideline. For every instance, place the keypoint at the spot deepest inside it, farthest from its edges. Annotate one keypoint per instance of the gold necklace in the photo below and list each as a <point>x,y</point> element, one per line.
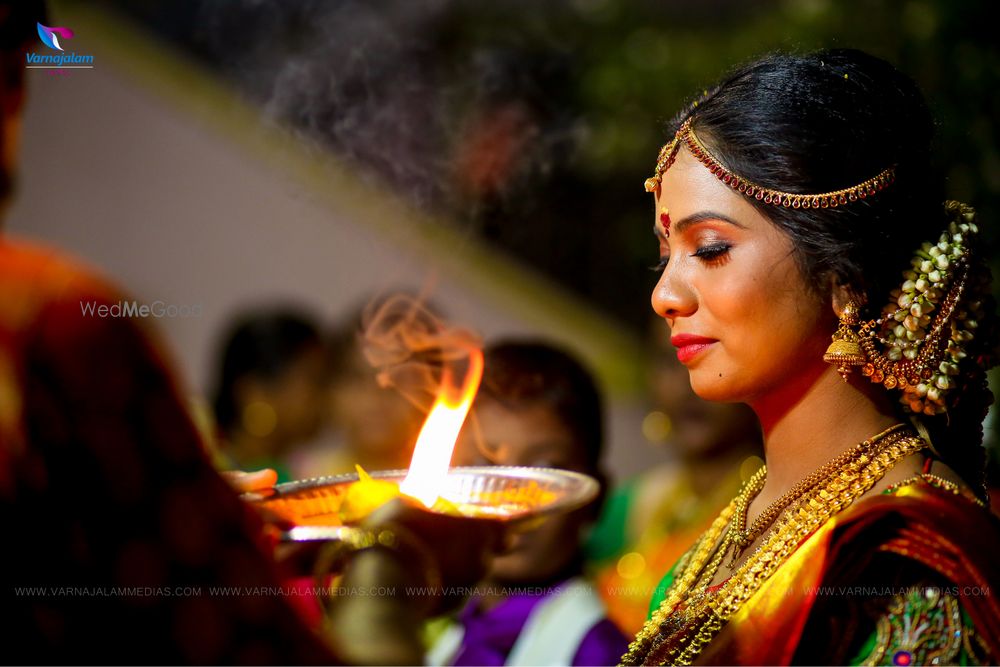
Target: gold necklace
<point>742,536</point>
<point>815,507</point>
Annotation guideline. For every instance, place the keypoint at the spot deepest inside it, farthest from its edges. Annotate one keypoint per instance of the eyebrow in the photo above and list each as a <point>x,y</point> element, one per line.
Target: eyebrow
<point>701,216</point>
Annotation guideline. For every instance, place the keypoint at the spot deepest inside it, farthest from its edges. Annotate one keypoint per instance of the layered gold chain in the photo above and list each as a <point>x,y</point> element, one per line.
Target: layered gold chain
<point>677,638</point>
<point>742,537</point>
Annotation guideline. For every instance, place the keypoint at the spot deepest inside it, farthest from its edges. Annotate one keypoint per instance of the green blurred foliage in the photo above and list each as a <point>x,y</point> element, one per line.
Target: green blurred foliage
<point>636,63</point>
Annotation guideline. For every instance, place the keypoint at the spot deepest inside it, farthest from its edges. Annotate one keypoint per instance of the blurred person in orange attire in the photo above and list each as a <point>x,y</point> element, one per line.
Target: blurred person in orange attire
<point>537,406</point>
<point>131,548</point>
<point>652,518</point>
<point>270,389</point>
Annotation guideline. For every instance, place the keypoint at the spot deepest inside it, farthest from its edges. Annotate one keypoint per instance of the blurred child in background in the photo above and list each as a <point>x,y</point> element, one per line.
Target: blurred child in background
<point>271,389</point>
<point>536,407</point>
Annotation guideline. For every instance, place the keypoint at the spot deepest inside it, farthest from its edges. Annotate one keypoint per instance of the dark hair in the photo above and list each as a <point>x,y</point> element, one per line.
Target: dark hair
<point>829,120</point>
<point>17,29</point>
<point>260,344</point>
<point>529,373</point>
<point>18,19</point>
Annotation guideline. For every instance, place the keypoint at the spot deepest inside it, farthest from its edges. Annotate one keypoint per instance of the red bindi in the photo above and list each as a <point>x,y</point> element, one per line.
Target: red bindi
<point>665,221</point>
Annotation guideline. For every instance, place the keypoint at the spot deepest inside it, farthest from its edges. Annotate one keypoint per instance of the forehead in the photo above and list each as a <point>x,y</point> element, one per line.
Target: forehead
<point>533,426</point>
<point>520,419</point>
<point>688,187</point>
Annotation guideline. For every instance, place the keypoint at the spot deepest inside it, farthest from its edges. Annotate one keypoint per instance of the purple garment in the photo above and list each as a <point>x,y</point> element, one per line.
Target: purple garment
<point>490,635</point>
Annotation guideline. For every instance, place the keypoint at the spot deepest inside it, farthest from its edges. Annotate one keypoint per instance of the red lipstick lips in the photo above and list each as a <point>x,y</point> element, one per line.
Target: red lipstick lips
<point>689,346</point>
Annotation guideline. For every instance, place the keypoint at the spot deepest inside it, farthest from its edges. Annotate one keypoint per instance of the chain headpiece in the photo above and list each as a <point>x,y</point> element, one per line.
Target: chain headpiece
<point>686,137</point>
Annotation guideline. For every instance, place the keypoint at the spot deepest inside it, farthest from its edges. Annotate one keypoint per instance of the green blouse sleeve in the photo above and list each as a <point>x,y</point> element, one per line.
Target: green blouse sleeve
<point>661,590</point>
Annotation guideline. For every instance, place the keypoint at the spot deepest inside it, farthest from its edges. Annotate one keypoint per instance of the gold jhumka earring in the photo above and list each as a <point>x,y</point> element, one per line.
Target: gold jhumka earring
<point>845,350</point>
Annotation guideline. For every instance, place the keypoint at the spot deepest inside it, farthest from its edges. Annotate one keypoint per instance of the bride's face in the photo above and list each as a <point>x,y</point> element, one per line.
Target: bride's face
<point>730,285</point>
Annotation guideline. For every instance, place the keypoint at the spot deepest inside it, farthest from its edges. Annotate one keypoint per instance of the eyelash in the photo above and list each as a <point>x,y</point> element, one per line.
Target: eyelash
<point>710,254</point>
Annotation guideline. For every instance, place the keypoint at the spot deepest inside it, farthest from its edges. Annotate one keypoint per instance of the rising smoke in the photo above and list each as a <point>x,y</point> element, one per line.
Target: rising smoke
<point>455,124</point>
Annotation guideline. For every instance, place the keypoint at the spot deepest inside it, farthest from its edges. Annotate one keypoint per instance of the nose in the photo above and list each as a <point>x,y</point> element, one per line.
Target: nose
<point>673,296</point>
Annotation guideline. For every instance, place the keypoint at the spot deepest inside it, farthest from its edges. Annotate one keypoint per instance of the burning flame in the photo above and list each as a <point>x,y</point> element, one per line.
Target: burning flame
<point>432,455</point>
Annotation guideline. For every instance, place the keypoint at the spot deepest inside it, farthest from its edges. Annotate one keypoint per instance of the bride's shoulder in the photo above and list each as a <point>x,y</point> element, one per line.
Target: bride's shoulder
<point>918,474</point>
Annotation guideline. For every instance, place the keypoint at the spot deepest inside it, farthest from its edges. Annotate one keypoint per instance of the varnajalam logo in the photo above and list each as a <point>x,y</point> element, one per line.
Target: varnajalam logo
<point>50,36</point>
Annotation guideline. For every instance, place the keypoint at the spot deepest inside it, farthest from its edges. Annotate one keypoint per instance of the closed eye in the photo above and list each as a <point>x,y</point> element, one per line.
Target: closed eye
<point>712,254</point>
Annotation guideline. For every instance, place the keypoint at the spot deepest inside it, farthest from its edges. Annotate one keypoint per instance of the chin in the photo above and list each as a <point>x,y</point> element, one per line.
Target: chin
<point>512,567</point>
<point>706,383</point>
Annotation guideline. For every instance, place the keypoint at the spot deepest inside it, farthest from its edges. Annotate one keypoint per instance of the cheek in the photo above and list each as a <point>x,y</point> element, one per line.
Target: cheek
<point>467,451</point>
<point>740,309</point>
<point>735,302</point>
<point>770,327</point>
<point>548,548</point>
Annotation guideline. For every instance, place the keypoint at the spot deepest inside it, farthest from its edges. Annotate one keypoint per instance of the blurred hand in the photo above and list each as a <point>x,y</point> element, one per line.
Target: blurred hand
<point>431,563</point>
<point>459,549</point>
<point>248,482</point>
<point>297,559</point>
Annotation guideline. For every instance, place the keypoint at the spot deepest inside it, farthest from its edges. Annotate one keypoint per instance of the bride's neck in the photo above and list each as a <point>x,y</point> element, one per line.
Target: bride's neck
<point>811,420</point>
